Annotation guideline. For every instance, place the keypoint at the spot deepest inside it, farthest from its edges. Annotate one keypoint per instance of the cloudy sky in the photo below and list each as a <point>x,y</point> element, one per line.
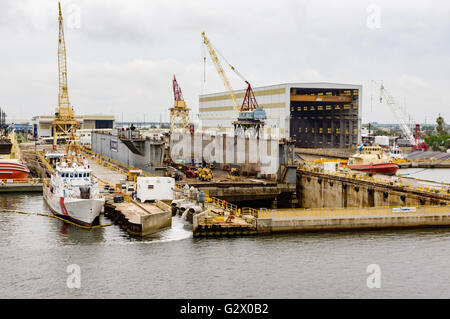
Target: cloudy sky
<point>122,54</point>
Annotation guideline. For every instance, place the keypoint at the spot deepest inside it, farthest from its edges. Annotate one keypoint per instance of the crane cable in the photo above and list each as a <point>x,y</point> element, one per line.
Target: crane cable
<point>229,64</point>
<point>53,216</point>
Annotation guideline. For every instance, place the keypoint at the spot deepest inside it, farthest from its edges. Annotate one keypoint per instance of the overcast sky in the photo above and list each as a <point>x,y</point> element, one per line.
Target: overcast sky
<point>122,54</point>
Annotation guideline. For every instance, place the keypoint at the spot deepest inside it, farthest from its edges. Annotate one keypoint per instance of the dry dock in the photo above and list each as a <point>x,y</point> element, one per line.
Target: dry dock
<point>352,218</point>
<point>217,222</point>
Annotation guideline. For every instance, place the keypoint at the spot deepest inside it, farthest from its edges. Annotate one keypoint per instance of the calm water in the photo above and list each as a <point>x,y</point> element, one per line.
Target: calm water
<point>438,175</point>
<point>35,252</point>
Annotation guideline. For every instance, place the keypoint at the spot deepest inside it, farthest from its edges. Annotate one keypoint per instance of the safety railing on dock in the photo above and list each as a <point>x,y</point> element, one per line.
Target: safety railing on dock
<point>250,211</point>
<point>398,182</point>
<point>353,212</point>
<point>224,205</point>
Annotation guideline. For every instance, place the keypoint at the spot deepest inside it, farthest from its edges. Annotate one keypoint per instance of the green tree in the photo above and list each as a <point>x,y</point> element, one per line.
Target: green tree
<point>440,123</point>
<point>439,143</point>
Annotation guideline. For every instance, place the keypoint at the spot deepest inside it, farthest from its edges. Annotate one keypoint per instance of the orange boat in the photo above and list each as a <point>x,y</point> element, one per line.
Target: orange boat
<point>11,165</point>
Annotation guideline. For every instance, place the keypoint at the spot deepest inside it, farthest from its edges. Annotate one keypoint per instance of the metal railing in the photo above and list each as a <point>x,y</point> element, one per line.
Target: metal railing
<point>374,179</point>
<point>388,211</point>
<point>225,205</point>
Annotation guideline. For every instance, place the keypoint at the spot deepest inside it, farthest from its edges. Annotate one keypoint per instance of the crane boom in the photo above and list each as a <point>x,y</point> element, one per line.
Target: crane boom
<point>63,97</point>
<point>397,113</point>
<point>221,72</point>
<point>177,94</point>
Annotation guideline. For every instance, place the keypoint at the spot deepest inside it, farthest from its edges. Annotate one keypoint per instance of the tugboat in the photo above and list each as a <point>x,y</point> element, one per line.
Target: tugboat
<point>12,168</point>
<point>72,192</point>
<point>373,160</point>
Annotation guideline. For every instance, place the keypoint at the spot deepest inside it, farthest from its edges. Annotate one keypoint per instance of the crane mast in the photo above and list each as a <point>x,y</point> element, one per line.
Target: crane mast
<point>64,122</point>
<point>221,72</point>
<point>397,113</point>
<point>179,114</point>
<point>63,97</point>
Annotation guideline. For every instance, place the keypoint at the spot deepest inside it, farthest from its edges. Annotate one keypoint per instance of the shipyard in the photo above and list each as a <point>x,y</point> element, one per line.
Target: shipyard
<point>282,175</point>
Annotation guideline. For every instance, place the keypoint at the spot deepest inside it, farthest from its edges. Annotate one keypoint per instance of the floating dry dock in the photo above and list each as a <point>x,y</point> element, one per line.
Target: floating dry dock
<point>217,222</point>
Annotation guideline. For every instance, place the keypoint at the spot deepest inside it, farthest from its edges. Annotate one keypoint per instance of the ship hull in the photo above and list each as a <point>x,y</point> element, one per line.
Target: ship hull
<point>81,211</point>
<point>383,168</point>
<point>14,171</point>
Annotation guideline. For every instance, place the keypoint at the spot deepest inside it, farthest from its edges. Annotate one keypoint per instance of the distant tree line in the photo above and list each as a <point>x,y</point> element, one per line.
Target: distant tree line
<point>439,142</point>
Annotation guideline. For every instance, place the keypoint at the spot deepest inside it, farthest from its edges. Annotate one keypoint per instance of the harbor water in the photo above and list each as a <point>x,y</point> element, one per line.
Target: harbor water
<point>36,252</point>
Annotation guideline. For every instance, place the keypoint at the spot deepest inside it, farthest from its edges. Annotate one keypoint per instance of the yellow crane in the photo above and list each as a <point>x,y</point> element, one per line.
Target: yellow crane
<point>249,115</point>
<point>64,123</point>
<point>221,72</point>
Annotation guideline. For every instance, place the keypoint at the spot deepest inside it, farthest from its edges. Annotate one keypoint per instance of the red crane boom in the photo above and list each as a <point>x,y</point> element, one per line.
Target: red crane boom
<point>177,90</point>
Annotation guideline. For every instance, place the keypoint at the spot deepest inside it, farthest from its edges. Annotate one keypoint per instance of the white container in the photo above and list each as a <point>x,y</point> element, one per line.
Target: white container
<point>153,188</point>
<point>330,166</point>
<point>382,140</point>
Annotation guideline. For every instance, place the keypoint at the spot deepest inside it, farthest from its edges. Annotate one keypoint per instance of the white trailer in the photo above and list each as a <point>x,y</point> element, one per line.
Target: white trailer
<point>382,140</point>
<point>155,188</point>
<point>330,166</point>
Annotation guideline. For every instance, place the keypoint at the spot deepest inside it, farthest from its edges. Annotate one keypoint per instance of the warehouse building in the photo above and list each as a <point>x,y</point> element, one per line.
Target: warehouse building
<point>315,115</point>
<point>42,125</point>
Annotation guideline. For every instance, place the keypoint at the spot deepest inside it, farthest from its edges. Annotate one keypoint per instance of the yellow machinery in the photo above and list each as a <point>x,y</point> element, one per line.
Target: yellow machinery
<point>205,174</point>
<point>179,114</point>
<point>133,174</point>
<point>64,123</point>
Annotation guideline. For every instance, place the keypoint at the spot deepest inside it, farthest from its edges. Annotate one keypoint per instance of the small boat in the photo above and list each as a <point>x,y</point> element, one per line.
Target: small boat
<point>397,153</point>
<point>373,160</point>
<point>12,167</point>
<point>72,192</point>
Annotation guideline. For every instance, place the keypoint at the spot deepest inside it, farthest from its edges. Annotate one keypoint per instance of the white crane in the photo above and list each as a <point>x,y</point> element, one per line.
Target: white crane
<point>397,113</point>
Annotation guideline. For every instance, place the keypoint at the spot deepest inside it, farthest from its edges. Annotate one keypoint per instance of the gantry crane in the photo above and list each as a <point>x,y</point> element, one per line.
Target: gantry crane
<point>179,114</point>
<point>249,115</point>
<point>64,123</point>
<point>415,142</point>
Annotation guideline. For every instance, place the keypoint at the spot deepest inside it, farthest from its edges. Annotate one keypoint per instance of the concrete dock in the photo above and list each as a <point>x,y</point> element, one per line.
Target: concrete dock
<point>32,185</point>
<point>139,219</point>
<point>301,220</point>
<point>215,222</point>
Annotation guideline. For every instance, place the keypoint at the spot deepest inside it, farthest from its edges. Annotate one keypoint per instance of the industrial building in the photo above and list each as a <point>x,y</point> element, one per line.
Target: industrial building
<point>42,125</point>
<point>315,115</point>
